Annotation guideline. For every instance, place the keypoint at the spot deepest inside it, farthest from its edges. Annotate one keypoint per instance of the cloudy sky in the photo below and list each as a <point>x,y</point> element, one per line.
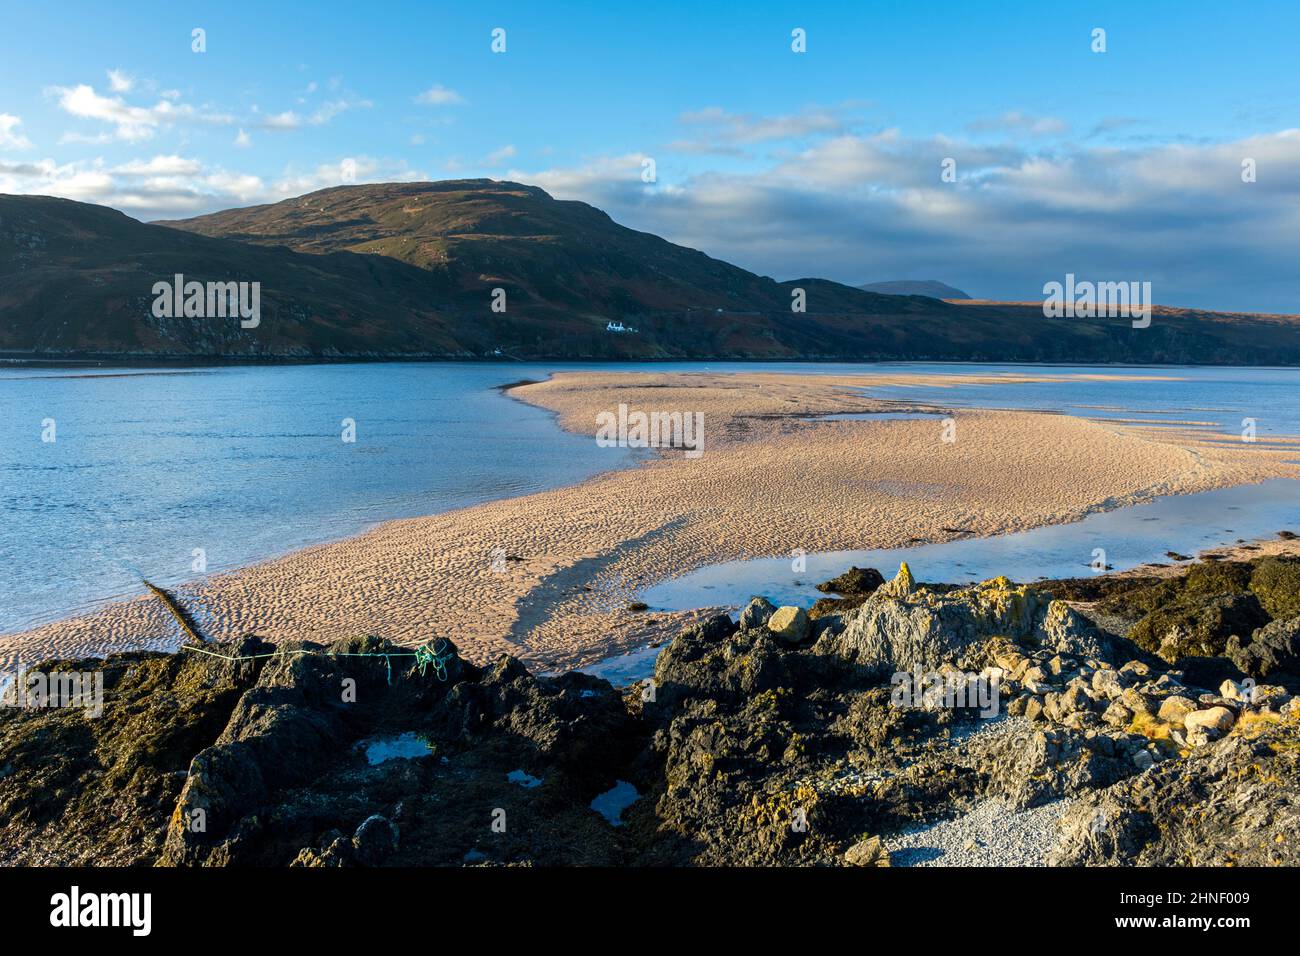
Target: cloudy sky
<point>1118,165</point>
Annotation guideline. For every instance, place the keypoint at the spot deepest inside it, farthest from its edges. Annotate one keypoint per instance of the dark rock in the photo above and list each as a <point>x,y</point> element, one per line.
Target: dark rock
<point>375,840</point>
<point>756,613</point>
<point>855,582</point>
<point>1274,647</point>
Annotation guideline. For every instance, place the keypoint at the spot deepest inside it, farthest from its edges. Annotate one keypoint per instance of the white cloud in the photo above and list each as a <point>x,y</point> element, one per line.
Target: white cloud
<point>10,138</point>
<point>243,140</point>
<point>1014,121</point>
<point>120,82</point>
<point>714,130</point>
<point>499,156</point>
<point>130,123</point>
<point>281,121</point>
<point>96,139</point>
<point>863,208</point>
<point>439,95</point>
<point>172,186</point>
<point>333,108</point>
<point>290,119</point>
<point>160,166</point>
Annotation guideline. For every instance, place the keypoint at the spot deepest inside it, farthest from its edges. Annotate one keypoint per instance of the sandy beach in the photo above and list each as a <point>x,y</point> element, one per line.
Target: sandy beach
<point>549,577</point>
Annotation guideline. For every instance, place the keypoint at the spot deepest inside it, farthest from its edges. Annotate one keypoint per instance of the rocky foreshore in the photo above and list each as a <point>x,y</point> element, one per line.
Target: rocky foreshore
<point>1114,721</point>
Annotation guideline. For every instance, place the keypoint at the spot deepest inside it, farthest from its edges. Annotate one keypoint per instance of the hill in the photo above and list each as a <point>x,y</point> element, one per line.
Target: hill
<point>408,270</point>
<point>931,287</point>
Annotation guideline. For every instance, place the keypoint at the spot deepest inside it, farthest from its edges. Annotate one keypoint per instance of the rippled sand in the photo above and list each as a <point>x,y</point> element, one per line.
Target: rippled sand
<point>767,483</point>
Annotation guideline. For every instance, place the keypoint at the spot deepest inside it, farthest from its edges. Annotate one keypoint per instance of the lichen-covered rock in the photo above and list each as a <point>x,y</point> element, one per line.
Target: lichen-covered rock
<point>868,852</point>
<point>902,584</point>
<point>743,749</point>
<point>924,628</point>
<point>1064,630</point>
<point>1174,709</point>
<point>1230,803</point>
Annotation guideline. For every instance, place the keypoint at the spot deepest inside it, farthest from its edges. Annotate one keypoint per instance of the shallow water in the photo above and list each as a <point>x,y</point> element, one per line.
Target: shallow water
<point>1128,537</point>
<point>1184,524</point>
<point>408,746</point>
<point>614,801</point>
<point>246,464</point>
<point>153,470</point>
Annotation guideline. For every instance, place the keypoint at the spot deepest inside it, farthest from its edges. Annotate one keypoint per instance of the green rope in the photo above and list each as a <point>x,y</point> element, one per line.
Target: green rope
<point>424,656</point>
<point>437,657</point>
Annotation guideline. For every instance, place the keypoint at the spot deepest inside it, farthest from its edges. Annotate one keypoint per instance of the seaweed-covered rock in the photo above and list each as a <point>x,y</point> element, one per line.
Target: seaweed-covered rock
<point>77,790</point>
<point>743,749</point>
<point>1197,625</point>
<point>1211,578</point>
<point>1276,582</point>
<point>853,582</point>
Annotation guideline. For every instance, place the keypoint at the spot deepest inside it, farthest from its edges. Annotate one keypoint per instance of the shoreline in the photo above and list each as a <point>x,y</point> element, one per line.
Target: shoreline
<point>769,482</point>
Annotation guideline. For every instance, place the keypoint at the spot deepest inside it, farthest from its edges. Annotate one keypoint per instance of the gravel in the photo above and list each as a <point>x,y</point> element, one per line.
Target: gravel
<point>991,834</point>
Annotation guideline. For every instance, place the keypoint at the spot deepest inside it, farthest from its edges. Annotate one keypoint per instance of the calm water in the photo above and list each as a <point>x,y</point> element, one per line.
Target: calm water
<point>1219,397</point>
<point>248,463</point>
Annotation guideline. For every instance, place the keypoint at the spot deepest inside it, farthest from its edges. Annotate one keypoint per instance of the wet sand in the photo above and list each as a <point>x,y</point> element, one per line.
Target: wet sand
<point>549,577</point>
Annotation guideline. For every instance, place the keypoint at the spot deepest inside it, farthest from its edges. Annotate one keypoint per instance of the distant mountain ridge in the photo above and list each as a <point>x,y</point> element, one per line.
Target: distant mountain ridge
<point>930,287</point>
<point>412,270</point>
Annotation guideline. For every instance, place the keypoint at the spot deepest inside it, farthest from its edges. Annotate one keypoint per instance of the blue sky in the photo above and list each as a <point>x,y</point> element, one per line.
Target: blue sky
<point>1120,165</point>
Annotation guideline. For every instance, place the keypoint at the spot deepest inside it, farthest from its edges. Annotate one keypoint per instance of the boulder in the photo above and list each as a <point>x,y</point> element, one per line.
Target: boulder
<point>1275,647</point>
<point>1174,709</point>
<point>1107,683</point>
<point>1218,719</point>
<point>374,841</point>
<point>789,624</point>
<point>1117,715</point>
<point>868,852</point>
<point>1065,631</point>
<point>902,627</point>
<point>756,613</point>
